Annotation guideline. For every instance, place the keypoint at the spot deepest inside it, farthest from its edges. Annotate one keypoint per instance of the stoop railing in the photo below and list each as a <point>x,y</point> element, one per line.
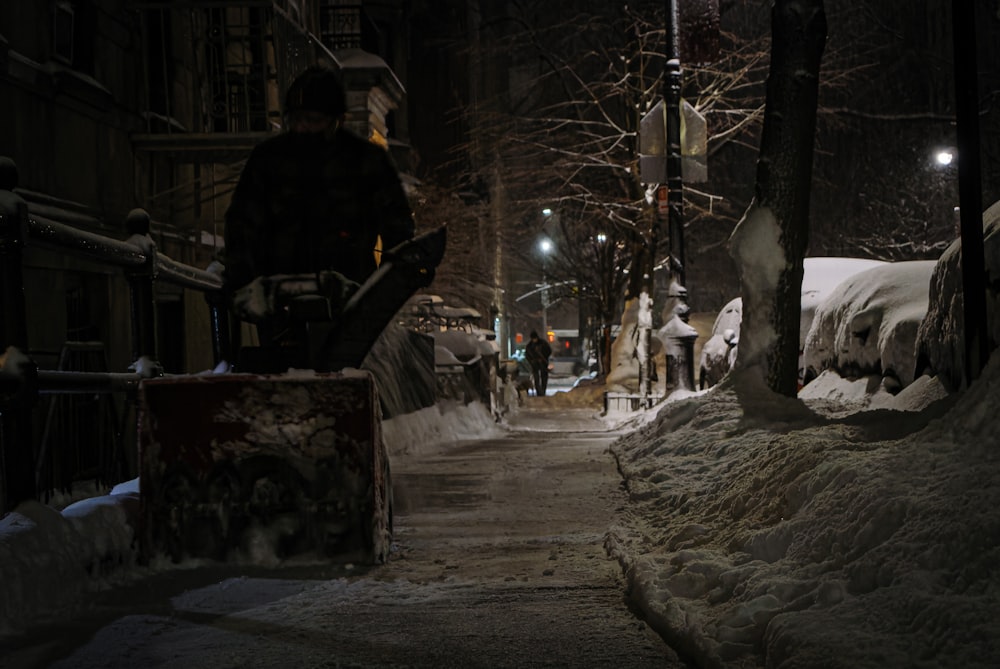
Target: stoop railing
<point>23,472</point>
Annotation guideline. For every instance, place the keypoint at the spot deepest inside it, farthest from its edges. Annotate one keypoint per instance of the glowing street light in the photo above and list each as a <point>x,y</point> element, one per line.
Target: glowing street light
<point>944,157</point>
<point>546,246</point>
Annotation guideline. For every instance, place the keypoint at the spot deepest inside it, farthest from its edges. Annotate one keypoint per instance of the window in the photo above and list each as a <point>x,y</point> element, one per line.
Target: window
<point>74,30</point>
<point>62,33</point>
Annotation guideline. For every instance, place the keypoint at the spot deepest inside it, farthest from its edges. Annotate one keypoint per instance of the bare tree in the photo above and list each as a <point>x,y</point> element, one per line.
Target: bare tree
<point>561,133</point>
<point>562,136</point>
<point>565,136</point>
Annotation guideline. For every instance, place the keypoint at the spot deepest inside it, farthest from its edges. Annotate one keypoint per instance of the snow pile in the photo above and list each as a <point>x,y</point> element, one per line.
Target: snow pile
<point>762,532</point>
<point>842,396</point>
<point>868,324</point>
<point>51,560</point>
<point>941,339</point>
<point>425,430</point>
<point>628,346</point>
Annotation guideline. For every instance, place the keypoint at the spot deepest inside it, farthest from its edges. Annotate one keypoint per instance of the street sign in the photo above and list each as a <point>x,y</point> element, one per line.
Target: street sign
<point>653,145</point>
<point>694,144</point>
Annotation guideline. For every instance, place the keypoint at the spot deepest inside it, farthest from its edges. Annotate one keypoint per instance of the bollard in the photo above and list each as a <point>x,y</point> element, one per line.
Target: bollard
<point>15,408</point>
<point>679,338</point>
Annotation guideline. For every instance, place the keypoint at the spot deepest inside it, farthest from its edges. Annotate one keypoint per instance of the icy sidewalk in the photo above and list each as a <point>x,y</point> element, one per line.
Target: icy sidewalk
<point>52,560</point>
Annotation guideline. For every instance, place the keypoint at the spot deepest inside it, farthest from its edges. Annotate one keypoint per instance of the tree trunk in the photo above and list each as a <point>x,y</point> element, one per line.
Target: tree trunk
<point>770,242</point>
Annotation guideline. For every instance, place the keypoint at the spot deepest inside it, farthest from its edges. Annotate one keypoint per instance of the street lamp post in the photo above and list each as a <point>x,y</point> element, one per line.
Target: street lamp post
<point>545,246</point>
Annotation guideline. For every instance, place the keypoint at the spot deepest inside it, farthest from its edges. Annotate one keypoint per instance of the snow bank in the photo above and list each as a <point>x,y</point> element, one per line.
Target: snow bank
<point>51,560</point>
<point>941,338</point>
<point>426,430</point>
<point>869,540</point>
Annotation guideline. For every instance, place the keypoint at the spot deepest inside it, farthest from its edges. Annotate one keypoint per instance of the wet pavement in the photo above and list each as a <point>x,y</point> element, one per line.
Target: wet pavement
<point>498,561</point>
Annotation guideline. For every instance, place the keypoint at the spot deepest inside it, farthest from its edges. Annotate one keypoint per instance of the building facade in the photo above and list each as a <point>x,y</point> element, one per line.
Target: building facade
<point>110,105</point>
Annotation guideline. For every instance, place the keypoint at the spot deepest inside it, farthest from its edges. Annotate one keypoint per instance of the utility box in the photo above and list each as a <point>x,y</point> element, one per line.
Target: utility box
<point>259,468</point>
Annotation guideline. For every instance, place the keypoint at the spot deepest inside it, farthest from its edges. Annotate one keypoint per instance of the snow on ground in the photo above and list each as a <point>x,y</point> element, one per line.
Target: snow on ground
<point>767,531</point>
<point>51,559</point>
<point>851,528</point>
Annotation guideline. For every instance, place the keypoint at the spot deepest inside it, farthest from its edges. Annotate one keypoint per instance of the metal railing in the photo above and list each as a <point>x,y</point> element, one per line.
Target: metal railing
<point>22,383</point>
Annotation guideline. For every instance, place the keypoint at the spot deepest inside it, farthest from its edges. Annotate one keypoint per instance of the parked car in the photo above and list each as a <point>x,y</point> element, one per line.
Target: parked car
<point>868,325</point>
<point>719,352</point>
<point>820,277</point>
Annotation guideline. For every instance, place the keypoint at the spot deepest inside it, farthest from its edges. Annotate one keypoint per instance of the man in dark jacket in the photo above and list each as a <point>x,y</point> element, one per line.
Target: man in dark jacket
<point>537,353</point>
<point>316,197</point>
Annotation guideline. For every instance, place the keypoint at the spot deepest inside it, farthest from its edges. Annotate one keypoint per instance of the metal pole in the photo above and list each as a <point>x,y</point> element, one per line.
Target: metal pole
<point>970,188</point>
<point>672,104</point>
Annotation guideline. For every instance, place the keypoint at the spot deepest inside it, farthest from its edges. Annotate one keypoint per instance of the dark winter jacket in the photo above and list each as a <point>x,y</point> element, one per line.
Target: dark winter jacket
<point>537,353</point>
<point>304,205</point>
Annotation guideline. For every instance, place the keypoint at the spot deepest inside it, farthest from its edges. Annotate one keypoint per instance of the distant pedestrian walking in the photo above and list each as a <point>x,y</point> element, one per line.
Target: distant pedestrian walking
<point>537,353</point>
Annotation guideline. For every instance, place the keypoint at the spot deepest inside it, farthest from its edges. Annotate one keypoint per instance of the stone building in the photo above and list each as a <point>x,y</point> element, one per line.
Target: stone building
<point>111,105</point>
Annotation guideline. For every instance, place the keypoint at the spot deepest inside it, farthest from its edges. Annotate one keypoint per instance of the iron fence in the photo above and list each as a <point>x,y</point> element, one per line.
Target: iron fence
<point>80,396</point>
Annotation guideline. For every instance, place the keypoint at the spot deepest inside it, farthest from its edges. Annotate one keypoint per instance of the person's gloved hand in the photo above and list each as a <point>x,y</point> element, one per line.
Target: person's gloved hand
<point>336,288</point>
<point>254,302</point>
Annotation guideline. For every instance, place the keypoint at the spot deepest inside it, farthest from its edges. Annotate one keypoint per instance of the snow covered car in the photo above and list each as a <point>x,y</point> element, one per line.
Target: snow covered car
<point>719,352</point>
<point>820,276</point>
<point>868,324</point>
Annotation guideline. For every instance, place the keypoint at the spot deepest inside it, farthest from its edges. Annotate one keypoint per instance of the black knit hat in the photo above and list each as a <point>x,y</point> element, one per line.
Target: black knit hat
<point>319,89</point>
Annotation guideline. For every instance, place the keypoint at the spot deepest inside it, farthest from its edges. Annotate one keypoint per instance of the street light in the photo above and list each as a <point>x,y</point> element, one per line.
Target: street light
<point>944,160</point>
<point>546,246</point>
<point>944,157</point>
